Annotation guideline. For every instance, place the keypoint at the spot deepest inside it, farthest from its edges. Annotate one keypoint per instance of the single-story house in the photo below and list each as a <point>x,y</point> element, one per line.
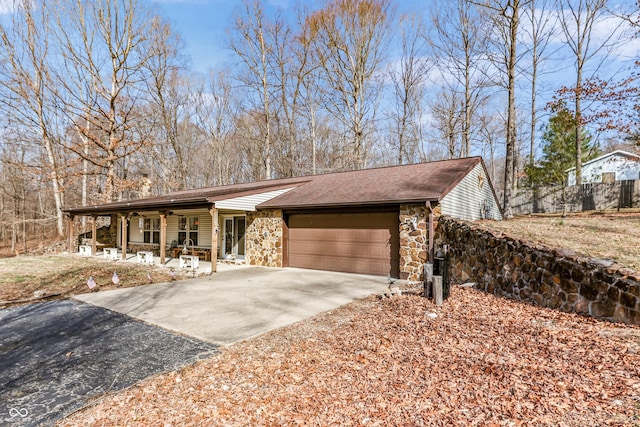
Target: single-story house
<point>374,221</point>
<point>615,166</point>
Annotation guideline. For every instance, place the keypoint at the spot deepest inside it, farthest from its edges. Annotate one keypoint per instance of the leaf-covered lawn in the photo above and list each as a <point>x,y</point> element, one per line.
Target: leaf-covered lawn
<point>483,361</point>
<point>66,275</point>
<point>613,236</point>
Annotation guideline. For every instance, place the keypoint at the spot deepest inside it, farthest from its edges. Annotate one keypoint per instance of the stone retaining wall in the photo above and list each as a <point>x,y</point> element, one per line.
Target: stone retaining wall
<point>264,239</point>
<point>545,276</point>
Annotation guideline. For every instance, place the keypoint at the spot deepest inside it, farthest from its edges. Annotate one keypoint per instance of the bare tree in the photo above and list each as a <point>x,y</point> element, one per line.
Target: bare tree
<point>349,40</point>
<point>310,96</point>
<point>171,127</point>
<point>577,21</point>
<point>215,110</point>
<point>294,71</point>
<point>108,46</point>
<point>539,32</point>
<point>492,126</point>
<point>169,110</point>
<point>460,45</point>
<point>28,91</point>
<point>408,78</point>
<point>506,16</point>
<point>250,42</point>
<point>448,122</point>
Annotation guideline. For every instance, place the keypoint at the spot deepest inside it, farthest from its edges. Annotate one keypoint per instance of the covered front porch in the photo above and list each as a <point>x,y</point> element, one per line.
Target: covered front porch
<point>218,223</point>
<point>198,235</point>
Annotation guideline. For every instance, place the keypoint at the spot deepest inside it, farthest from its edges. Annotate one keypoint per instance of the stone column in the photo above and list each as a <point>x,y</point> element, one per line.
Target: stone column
<point>264,238</point>
<point>413,241</point>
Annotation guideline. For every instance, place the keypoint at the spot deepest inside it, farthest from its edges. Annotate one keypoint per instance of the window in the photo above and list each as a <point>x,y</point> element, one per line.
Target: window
<point>151,230</point>
<point>188,227</point>
<point>608,177</point>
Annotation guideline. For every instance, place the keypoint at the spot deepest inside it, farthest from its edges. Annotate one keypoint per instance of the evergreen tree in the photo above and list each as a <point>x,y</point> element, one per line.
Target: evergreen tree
<point>559,150</point>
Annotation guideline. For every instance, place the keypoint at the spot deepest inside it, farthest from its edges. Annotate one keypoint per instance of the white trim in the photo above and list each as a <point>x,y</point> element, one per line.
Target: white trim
<point>604,156</point>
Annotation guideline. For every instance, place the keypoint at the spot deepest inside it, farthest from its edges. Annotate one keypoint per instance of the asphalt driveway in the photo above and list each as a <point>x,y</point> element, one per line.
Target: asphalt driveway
<point>56,356</point>
<point>238,302</point>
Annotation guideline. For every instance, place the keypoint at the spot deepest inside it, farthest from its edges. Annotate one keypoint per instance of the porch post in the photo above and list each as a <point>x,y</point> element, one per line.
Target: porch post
<point>70,242</point>
<point>163,236</point>
<point>124,218</point>
<point>214,239</point>
<point>94,230</point>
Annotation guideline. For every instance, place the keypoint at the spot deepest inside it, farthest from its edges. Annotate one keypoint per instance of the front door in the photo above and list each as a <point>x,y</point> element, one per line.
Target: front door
<point>234,231</point>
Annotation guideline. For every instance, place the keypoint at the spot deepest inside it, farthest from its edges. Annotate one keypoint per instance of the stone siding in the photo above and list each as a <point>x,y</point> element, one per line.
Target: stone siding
<point>106,232</point>
<point>264,238</point>
<point>413,241</point>
<point>538,274</point>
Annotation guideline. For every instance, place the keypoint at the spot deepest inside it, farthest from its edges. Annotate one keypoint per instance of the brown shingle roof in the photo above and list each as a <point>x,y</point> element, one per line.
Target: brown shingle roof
<point>202,197</point>
<point>389,185</point>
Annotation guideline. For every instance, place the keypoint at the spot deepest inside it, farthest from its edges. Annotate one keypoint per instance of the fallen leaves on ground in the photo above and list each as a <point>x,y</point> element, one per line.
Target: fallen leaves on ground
<point>66,275</point>
<point>483,361</point>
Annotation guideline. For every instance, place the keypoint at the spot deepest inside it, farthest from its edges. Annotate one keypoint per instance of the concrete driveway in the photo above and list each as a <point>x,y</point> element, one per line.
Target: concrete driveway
<point>238,302</point>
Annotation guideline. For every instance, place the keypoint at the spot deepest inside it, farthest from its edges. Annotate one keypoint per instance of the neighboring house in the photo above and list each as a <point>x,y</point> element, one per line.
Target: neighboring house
<point>372,221</point>
<point>615,166</point>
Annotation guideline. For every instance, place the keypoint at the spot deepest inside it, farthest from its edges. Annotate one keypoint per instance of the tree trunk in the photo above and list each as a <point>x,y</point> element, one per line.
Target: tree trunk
<point>578,99</point>
<point>55,182</point>
<point>511,115</point>
<point>534,78</point>
<point>466,144</point>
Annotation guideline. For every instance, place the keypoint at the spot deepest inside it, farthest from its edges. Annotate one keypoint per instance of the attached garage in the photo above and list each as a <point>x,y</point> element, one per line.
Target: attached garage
<point>353,242</point>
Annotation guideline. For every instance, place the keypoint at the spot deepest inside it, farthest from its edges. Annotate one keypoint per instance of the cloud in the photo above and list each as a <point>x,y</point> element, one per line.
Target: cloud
<point>7,7</point>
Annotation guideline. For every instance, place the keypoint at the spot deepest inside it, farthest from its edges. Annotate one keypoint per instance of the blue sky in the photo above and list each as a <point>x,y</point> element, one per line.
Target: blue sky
<point>202,24</point>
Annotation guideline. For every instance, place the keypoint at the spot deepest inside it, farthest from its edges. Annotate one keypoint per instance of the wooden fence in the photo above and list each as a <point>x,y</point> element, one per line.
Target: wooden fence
<point>587,197</point>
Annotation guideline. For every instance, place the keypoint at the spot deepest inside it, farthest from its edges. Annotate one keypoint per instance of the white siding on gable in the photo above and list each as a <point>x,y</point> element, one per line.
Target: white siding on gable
<point>472,198</point>
<point>248,203</point>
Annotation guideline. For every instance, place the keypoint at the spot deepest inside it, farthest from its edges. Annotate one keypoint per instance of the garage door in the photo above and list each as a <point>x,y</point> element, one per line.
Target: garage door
<point>365,243</point>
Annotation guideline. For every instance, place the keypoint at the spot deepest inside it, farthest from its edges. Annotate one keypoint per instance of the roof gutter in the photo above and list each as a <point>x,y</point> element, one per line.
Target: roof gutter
<point>133,207</point>
<point>346,204</point>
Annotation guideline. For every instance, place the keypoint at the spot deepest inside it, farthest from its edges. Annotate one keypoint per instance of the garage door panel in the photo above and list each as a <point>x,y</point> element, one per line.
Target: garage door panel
<point>366,243</point>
